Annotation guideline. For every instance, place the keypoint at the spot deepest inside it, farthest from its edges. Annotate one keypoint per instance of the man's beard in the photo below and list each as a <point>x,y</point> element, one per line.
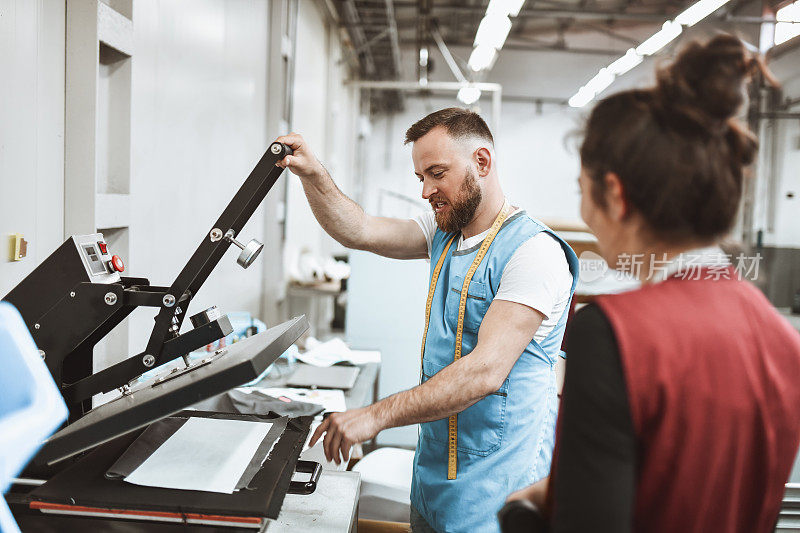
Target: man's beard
<point>462,209</point>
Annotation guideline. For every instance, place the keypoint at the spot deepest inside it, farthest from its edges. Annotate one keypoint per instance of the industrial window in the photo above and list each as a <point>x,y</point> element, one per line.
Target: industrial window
<point>788,25</point>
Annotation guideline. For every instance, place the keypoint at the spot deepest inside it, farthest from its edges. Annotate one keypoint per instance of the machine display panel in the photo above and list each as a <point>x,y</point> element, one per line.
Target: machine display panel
<point>93,257</point>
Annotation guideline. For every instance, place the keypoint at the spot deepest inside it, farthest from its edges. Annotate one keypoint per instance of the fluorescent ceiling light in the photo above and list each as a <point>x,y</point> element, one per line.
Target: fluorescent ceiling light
<point>788,25</point>
<point>504,7</point>
<point>468,95</point>
<point>493,31</point>
<point>482,58</point>
<point>491,35</point>
<point>600,81</point>
<point>581,98</point>
<point>625,63</point>
<point>668,32</point>
<point>660,39</point>
<point>699,11</point>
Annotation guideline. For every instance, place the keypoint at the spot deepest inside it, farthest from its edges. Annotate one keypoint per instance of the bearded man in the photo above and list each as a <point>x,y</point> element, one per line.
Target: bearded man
<point>500,288</point>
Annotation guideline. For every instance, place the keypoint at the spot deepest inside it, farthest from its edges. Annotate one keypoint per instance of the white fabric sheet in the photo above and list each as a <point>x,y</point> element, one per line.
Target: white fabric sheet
<point>204,454</point>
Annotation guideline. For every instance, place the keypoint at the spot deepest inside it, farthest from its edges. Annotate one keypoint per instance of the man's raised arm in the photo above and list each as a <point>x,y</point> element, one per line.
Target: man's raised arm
<point>345,220</point>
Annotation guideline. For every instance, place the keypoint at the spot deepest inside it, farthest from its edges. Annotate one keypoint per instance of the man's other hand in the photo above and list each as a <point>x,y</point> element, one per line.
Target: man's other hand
<point>302,162</point>
<point>343,430</point>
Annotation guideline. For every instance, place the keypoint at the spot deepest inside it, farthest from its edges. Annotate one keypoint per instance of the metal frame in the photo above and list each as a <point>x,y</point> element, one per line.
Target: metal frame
<point>448,57</point>
<point>191,278</point>
<point>71,328</point>
<point>557,12</point>
<point>374,49</point>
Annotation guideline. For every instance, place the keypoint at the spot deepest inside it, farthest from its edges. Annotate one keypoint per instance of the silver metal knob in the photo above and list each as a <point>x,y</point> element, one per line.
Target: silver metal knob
<point>249,252</point>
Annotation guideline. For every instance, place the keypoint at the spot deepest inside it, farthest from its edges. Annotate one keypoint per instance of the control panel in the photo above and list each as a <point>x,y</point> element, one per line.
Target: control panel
<point>100,264</point>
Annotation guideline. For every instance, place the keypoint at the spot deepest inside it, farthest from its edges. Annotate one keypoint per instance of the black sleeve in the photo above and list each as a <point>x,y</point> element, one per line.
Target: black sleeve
<point>594,482</point>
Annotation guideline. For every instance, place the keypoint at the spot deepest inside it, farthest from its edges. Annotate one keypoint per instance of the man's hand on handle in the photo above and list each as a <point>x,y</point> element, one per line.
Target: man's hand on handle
<point>302,162</point>
<point>342,218</point>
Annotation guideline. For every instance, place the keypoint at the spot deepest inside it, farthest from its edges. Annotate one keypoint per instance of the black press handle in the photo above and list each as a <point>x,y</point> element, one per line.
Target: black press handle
<point>521,516</point>
<point>281,150</point>
<point>306,487</point>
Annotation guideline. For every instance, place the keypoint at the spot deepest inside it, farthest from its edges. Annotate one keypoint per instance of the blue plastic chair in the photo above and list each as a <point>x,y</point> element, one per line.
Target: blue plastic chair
<point>31,407</point>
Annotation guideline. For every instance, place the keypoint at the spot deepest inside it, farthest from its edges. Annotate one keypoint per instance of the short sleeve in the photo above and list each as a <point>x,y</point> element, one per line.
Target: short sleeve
<point>537,275</point>
<point>427,223</point>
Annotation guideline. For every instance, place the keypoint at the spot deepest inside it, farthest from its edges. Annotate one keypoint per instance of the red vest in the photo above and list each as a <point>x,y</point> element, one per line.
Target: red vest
<point>713,379</point>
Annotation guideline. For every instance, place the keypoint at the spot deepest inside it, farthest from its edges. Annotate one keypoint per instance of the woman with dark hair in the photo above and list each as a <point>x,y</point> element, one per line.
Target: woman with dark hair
<point>681,403</point>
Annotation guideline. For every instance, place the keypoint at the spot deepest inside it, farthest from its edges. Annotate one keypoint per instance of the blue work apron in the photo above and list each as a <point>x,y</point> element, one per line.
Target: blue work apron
<point>505,440</point>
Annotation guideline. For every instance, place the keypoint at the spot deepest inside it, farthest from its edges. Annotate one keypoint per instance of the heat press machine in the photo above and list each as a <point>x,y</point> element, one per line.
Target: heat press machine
<point>77,296</point>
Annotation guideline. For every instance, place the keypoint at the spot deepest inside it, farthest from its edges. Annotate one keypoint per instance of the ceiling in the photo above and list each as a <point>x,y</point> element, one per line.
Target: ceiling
<point>377,30</point>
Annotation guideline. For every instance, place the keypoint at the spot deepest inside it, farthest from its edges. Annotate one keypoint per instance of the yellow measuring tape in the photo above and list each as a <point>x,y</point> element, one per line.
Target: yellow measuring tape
<point>452,440</point>
<point>429,302</point>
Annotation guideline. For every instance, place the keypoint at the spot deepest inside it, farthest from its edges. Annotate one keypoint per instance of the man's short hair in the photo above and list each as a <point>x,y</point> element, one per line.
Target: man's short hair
<point>459,124</point>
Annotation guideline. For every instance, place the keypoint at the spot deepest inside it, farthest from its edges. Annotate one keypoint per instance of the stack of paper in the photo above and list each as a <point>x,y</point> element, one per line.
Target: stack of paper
<point>336,351</point>
<point>331,400</point>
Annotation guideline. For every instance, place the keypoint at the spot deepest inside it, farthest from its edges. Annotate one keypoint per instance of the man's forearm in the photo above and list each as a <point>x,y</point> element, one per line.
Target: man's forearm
<point>341,217</point>
<point>450,391</point>
<point>506,329</point>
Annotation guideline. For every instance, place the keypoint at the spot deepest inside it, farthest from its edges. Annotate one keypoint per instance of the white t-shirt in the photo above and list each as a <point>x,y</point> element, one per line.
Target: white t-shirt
<point>537,275</point>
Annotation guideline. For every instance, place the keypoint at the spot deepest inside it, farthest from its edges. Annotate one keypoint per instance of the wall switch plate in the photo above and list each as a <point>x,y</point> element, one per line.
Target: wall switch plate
<point>19,247</point>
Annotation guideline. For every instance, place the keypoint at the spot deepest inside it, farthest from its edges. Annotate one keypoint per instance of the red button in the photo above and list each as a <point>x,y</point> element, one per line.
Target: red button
<point>117,264</point>
<point>103,247</point>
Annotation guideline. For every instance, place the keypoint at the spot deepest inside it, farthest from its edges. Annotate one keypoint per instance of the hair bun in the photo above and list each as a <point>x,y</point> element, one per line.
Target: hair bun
<point>706,81</point>
<point>702,90</point>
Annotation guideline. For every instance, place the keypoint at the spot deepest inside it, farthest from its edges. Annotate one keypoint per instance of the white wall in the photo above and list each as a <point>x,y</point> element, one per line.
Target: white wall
<point>537,157</point>
<point>386,312</point>
<point>199,127</point>
<point>324,113</point>
<point>32,48</point>
<point>308,119</point>
<point>199,121</point>
<point>537,151</point>
<point>342,120</point>
<point>785,231</point>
